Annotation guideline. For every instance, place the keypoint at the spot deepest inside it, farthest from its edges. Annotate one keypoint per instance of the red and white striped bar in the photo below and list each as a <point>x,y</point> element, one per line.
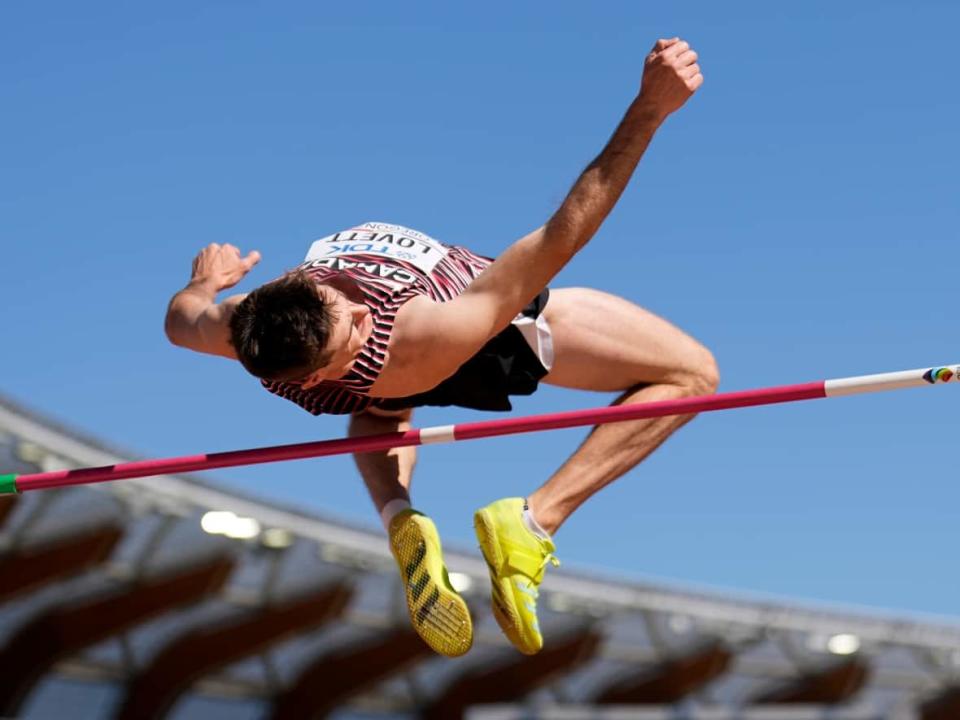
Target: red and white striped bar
<point>488,428</point>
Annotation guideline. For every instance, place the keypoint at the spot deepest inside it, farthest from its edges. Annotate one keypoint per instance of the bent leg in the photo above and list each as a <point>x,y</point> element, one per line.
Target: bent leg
<point>605,343</point>
<point>437,612</point>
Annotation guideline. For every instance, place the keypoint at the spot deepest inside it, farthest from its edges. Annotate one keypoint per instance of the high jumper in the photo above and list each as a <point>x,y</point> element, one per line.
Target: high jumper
<point>380,319</point>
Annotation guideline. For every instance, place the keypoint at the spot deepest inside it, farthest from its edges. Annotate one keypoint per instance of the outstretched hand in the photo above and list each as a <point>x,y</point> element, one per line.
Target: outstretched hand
<point>670,75</point>
<point>220,266</point>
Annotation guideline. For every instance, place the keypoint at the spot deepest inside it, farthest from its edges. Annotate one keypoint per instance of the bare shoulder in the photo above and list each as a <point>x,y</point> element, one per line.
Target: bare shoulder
<point>415,351</point>
<point>414,327</point>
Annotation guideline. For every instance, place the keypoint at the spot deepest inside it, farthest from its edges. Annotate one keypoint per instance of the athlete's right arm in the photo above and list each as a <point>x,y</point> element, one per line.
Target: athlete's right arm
<point>436,338</point>
<point>194,319</point>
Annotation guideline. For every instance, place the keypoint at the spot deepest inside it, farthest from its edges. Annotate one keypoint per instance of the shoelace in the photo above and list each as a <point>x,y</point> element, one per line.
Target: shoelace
<point>548,558</point>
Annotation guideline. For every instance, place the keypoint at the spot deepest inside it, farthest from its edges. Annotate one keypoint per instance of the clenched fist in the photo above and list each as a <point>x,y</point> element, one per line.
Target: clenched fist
<point>670,75</point>
<point>220,266</point>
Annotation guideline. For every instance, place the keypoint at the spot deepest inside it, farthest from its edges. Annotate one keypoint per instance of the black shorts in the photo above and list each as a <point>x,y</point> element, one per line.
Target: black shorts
<point>505,366</point>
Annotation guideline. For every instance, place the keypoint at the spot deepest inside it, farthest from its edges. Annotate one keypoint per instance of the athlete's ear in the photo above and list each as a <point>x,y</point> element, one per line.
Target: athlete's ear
<point>358,311</point>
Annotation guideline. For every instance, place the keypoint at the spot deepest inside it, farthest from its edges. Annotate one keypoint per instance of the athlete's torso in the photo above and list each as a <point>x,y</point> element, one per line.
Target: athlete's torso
<point>384,266</point>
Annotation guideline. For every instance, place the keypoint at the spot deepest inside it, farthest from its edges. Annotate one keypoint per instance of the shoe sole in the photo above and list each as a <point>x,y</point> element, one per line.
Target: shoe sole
<point>504,612</point>
<point>437,612</point>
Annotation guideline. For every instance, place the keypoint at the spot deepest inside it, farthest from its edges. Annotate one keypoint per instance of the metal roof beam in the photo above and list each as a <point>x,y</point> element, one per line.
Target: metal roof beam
<point>207,649</point>
<point>514,678</point>
<point>670,712</point>
<point>945,706</point>
<point>28,568</point>
<point>72,626</point>
<point>7,503</point>
<point>835,684</point>
<point>670,681</point>
<point>335,677</point>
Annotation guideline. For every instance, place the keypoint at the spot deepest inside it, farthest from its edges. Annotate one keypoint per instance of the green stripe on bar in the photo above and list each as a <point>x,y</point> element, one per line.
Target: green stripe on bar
<point>8,485</point>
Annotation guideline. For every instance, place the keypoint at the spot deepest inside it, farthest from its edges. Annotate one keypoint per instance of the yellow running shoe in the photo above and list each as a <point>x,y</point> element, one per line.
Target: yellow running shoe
<point>517,559</point>
<point>438,613</point>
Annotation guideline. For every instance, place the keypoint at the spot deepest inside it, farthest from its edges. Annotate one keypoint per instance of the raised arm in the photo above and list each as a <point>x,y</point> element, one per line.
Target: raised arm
<point>194,318</point>
<point>437,338</point>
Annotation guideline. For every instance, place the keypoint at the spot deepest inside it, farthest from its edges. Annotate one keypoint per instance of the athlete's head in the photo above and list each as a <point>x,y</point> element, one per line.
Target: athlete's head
<point>294,330</point>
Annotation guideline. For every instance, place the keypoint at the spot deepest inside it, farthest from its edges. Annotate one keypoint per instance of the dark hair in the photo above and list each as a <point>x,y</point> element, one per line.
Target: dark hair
<point>280,330</point>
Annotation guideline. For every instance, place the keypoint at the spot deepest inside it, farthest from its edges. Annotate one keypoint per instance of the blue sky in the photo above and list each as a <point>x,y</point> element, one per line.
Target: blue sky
<point>799,217</point>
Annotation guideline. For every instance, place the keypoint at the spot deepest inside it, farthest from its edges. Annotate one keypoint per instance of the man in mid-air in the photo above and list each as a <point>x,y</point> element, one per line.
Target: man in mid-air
<point>380,319</point>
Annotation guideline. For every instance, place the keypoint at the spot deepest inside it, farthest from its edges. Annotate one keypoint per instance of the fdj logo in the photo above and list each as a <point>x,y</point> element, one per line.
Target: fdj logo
<point>935,375</point>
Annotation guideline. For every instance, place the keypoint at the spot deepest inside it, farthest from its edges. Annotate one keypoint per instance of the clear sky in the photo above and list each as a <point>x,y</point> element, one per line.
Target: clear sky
<point>799,216</point>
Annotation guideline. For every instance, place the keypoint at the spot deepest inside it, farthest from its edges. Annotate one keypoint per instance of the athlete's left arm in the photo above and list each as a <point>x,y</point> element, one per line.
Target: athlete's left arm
<point>431,340</point>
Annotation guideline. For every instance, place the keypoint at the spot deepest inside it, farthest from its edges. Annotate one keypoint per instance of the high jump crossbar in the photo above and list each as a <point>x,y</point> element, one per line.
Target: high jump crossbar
<point>856,385</point>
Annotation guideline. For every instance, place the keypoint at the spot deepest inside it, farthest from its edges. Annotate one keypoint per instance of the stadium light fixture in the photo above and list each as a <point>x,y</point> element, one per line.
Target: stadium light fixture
<point>843,644</point>
<point>243,528</point>
<point>216,522</point>
<point>277,538</point>
<point>224,522</point>
<point>461,582</point>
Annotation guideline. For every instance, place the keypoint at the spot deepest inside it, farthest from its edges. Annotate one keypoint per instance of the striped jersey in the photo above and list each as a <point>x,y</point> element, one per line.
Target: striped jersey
<point>388,265</point>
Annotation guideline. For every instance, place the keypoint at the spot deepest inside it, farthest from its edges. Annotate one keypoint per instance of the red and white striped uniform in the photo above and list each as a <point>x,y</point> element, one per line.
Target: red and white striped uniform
<point>388,264</point>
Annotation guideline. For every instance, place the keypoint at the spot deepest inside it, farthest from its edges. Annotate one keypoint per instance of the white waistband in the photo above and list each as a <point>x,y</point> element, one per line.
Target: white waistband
<point>536,331</point>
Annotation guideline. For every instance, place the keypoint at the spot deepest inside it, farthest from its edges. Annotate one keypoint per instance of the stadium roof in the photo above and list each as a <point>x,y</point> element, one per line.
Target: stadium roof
<point>130,600</point>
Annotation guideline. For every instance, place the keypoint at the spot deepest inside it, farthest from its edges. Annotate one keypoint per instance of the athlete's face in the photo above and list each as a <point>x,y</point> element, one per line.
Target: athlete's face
<point>349,332</point>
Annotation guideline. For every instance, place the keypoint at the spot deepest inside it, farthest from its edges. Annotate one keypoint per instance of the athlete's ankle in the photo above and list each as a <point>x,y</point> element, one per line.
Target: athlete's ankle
<point>391,509</point>
<point>532,519</point>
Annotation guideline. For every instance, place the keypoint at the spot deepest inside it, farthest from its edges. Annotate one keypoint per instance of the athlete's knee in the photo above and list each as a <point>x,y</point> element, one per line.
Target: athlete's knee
<point>701,375</point>
<point>694,371</point>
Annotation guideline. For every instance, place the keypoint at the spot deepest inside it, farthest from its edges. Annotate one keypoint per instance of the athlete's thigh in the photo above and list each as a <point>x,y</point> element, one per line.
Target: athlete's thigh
<point>603,342</point>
